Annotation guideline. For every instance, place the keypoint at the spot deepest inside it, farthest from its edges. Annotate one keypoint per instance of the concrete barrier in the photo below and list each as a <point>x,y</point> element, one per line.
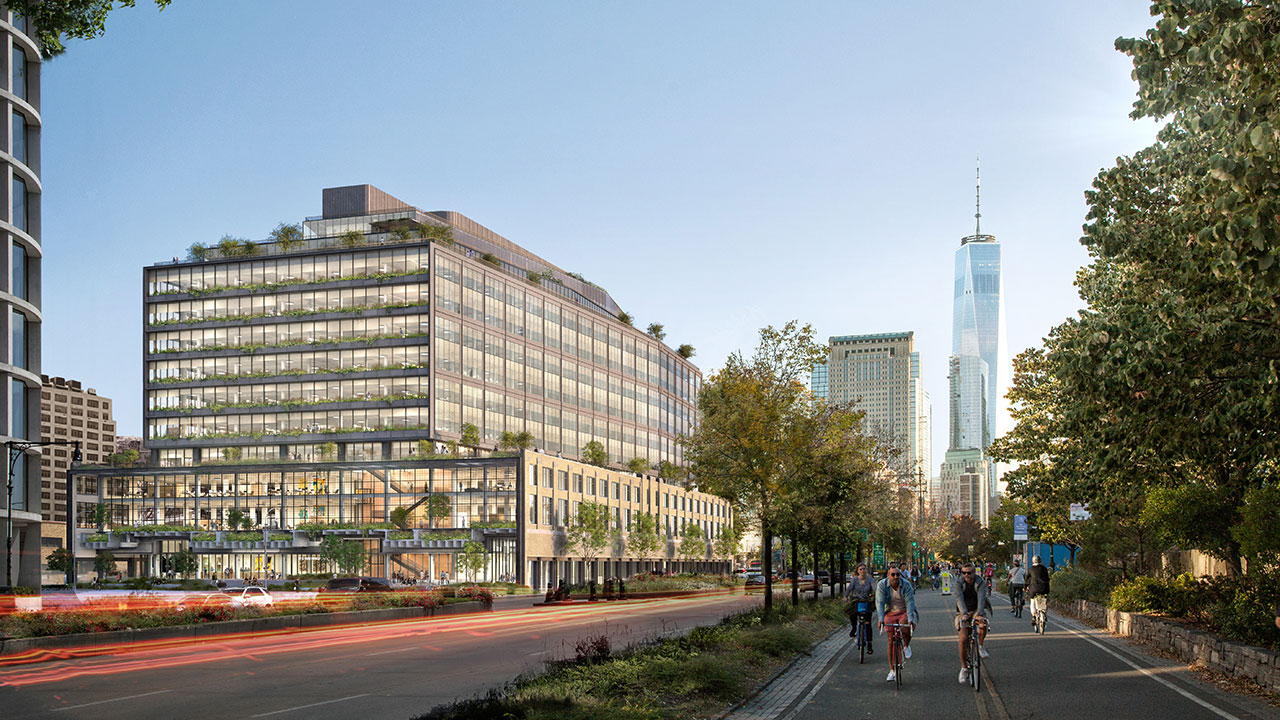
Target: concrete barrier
<point>1188,644</point>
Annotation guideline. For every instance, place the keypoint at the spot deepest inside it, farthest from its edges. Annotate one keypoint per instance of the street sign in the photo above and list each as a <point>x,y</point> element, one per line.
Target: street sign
<point>847,556</point>
<point>1019,527</point>
<point>877,555</point>
<point>863,532</point>
<point>1079,512</point>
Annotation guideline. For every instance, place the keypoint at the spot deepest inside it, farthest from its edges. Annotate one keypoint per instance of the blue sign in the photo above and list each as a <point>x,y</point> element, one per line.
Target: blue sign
<point>1019,527</point>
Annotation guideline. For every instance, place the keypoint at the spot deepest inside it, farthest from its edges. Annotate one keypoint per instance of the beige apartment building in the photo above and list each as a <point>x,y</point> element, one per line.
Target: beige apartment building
<point>69,412</point>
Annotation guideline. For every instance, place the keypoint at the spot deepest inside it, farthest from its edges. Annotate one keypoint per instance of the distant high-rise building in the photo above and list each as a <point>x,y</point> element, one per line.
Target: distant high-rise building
<point>818,381</point>
<point>974,378</point>
<point>879,375</point>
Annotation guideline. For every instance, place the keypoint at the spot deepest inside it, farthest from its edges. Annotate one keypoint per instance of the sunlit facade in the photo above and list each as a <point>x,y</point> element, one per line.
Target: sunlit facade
<point>383,332</point>
<point>516,505</point>
<point>20,364</point>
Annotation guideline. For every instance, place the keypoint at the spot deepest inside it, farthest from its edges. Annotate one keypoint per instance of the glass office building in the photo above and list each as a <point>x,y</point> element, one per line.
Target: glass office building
<point>20,222</point>
<point>381,333</point>
<point>977,329</point>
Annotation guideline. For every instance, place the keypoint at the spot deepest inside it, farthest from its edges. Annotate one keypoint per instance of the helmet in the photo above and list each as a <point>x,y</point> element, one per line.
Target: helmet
<point>1036,560</point>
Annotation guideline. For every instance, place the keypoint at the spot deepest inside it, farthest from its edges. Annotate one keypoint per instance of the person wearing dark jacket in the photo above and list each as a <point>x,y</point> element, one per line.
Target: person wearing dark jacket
<point>971,602</point>
<point>1037,587</point>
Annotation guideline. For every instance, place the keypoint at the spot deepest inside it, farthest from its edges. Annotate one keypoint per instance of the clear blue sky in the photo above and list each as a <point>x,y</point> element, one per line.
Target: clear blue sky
<point>717,166</point>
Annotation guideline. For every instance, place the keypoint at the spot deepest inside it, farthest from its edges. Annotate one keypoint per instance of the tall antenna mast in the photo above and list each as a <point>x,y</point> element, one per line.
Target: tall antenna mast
<point>977,215</point>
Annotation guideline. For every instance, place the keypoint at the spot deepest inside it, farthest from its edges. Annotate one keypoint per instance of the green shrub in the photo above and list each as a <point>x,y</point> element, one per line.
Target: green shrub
<point>1075,583</point>
<point>1180,596</point>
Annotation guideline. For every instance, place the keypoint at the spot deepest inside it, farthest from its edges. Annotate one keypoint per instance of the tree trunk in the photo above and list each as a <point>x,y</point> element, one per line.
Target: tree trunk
<point>817,584</point>
<point>766,547</point>
<point>831,572</point>
<point>795,569</point>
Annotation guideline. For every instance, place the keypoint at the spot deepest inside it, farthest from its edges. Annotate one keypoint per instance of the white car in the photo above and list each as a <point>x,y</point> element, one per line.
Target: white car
<point>252,595</point>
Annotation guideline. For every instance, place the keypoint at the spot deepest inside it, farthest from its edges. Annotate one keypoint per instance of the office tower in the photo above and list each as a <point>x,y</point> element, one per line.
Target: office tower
<point>818,381</point>
<point>20,508</point>
<point>383,332</point>
<point>879,375</point>
<point>978,359</point>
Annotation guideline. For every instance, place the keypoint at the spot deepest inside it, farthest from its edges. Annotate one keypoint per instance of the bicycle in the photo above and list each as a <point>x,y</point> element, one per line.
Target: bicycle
<point>862,628</point>
<point>897,651</point>
<point>1039,614</point>
<point>1018,599</point>
<point>974,666</point>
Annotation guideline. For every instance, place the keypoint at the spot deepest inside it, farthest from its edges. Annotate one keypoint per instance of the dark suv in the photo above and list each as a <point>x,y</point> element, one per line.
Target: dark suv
<point>357,585</point>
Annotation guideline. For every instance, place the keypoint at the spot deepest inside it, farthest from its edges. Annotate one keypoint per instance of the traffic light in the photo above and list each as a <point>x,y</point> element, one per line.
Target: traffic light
<point>913,543</point>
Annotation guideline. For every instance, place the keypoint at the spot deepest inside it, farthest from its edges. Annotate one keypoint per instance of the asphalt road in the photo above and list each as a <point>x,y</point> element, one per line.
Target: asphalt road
<point>1069,672</point>
<point>392,670</point>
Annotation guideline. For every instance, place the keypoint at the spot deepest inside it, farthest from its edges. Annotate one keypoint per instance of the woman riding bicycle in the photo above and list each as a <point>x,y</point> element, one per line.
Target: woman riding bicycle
<point>861,589</point>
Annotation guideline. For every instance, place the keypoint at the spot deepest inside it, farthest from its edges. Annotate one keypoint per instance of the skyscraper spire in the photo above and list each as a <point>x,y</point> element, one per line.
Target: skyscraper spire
<point>977,215</point>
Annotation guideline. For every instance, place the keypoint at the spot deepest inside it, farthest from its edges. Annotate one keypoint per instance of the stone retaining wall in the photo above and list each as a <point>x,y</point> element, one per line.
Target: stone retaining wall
<point>1188,644</point>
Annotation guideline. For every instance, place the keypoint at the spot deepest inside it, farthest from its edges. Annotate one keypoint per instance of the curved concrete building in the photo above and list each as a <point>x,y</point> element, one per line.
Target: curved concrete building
<point>20,295</point>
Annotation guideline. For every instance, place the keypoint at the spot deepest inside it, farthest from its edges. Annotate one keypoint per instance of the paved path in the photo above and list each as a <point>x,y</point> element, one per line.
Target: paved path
<point>1071,671</point>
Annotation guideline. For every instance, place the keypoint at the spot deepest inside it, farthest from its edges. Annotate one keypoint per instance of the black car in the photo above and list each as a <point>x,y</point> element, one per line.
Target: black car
<point>357,585</point>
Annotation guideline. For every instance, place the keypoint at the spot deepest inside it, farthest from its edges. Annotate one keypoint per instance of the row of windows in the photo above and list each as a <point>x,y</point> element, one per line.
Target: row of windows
<point>269,364</point>
<point>315,301</point>
<point>285,394</point>
<point>318,482</point>
<point>492,300</point>
<point>307,269</point>
<point>291,512</point>
<point>240,336</point>
<point>287,423</point>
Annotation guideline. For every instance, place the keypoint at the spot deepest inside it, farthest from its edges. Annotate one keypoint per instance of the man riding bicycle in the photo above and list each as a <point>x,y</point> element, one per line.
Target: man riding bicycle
<point>1038,587</point>
<point>861,589</point>
<point>1017,583</point>
<point>896,605</point>
<point>971,602</point>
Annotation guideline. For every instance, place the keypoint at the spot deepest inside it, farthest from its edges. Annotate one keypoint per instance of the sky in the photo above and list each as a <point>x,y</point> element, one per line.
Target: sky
<point>716,166</point>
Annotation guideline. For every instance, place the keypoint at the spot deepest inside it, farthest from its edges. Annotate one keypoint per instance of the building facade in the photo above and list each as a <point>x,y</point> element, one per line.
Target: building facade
<point>879,375</point>
<point>517,505</point>
<point>20,366</point>
<point>69,412</point>
<point>975,378</point>
<point>384,332</point>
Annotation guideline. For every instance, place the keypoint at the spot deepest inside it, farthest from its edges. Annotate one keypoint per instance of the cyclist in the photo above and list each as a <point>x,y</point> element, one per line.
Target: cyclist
<point>1017,582</point>
<point>896,604</point>
<point>971,601</point>
<point>988,574</point>
<point>1037,587</point>
<point>861,589</point>
<point>915,576</point>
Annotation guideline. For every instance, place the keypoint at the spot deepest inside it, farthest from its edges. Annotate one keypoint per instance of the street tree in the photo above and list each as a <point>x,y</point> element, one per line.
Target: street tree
<point>60,561</point>
<point>472,559</point>
<point>184,563</point>
<point>727,541</point>
<point>644,540</point>
<point>693,544</point>
<point>587,534</point>
<point>347,555</point>
<point>104,562</point>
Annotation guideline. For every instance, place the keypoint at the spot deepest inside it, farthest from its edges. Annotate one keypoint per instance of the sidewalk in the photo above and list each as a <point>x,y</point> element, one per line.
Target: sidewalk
<point>788,689</point>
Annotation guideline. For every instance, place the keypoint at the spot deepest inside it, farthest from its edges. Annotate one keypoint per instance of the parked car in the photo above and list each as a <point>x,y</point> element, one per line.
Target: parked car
<point>252,595</point>
<point>824,577</point>
<point>755,578</point>
<point>356,585</point>
<point>806,578</point>
<point>199,600</point>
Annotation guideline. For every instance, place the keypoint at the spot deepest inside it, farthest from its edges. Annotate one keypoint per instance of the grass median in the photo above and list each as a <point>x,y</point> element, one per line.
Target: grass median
<point>702,674</point>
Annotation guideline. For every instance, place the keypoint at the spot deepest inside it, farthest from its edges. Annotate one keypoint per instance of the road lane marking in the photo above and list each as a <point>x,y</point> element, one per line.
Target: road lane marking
<point>1145,671</point>
<point>388,652</point>
<point>822,681</point>
<point>303,707</point>
<point>99,702</point>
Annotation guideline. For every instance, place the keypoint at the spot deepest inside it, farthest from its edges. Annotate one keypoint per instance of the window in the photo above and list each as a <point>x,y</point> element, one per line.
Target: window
<point>533,509</point>
<point>617,491</point>
<point>19,218</point>
<point>548,515</point>
<point>18,338</point>
<point>19,150</point>
<point>577,482</point>
<point>591,486</point>
<point>546,477</point>
<point>18,410</point>
<point>564,479</point>
<point>563,516</point>
<point>18,78</point>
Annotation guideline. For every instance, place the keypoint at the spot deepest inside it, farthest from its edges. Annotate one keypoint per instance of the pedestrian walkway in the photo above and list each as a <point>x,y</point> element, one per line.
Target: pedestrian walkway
<point>1027,675</point>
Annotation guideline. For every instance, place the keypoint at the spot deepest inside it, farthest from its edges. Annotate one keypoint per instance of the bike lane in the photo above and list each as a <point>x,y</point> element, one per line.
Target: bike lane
<point>1070,670</point>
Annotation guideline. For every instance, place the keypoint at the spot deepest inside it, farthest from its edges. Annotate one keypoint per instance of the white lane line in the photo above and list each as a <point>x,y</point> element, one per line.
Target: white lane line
<point>1203,703</point>
<point>388,652</point>
<point>302,707</point>
<point>99,702</point>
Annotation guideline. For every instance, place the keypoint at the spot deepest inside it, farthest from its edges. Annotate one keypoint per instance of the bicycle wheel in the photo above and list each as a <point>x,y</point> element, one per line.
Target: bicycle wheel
<point>975,657</point>
<point>897,676</point>
<point>862,641</point>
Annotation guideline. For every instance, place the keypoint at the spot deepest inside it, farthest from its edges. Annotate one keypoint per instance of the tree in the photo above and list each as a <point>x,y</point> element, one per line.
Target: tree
<point>348,555</point>
<point>56,20</point>
<point>329,451</point>
<point>287,237</point>
<point>673,473</point>
<point>638,466</point>
<point>103,563</point>
<point>743,447</point>
<point>657,331</point>
<point>593,454</point>
<point>727,541</point>
<point>123,458</point>
<point>197,252</point>
<point>400,517</point>
<point>685,351</point>
<point>438,506</point>
<point>351,238</point>
<point>693,545</point>
<point>60,561</point>
<point>232,454</point>
<point>472,558</point>
<point>491,259</point>
<point>643,538</point>
<point>101,516</point>
<point>515,440</point>
<point>470,436</point>
<point>401,234</point>
<point>184,563</point>
<point>441,233</point>
<point>626,319</point>
<point>587,533</point>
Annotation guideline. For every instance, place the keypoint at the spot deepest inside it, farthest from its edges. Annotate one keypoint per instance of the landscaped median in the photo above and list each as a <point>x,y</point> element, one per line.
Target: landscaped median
<point>703,674</point>
<point>34,636</point>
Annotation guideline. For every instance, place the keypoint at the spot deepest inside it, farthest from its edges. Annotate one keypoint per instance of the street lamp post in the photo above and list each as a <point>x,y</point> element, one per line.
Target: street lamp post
<point>17,450</point>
